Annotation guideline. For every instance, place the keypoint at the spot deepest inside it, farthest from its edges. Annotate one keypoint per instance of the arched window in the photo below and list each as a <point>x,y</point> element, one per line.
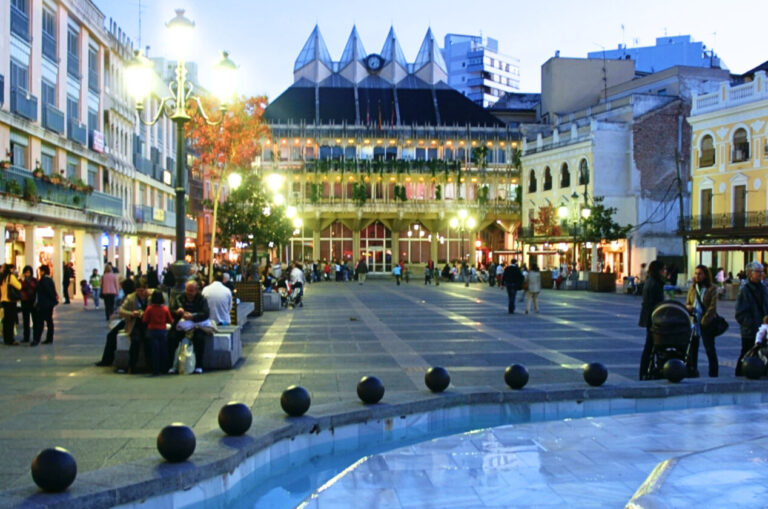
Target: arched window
<point>740,145</point>
<point>532,182</point>
<point>583,172</point>
<point>707,152</point>
<point>565,176</point>
<point>547,179</point>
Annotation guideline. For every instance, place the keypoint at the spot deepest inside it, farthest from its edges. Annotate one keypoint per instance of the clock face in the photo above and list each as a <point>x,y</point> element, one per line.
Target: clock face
<point>373,62</point>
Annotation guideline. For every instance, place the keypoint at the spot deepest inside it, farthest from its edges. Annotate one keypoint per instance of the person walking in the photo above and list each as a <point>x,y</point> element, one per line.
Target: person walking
<point>95,282</point>
<point>499,274</point>
<point>67,274</point>
<point>751,307</point>
<point>10,294</point>
<point>702,302</point>
<point>512,279</point>
<point>397,271</point>
<point>109,290</point>
<point>653,295</point>
<point>427,275</point>
<point>28,293</point>
<point>47,299</point>
<point>533,278</point>
<point>362,271</point>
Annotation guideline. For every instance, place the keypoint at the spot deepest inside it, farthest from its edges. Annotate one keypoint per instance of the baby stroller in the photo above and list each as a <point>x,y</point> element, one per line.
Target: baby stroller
<point>290,296</point>
<point>672,329</point>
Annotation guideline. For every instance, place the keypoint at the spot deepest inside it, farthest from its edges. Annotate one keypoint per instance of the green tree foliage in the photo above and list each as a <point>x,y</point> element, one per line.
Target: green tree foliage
<point>600,224</point>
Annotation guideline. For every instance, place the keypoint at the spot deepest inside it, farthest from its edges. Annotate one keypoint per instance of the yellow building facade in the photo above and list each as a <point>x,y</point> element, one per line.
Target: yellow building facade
<point>728,222</point>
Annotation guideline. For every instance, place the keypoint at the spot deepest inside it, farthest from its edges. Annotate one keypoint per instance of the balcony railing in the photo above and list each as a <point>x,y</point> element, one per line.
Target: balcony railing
<point>104,204</point>
<point>77,131</point>
<point>19,24</point>
<point>559,231</point>
<point>53,119</point>
<point>725,222</point>
<point>49,47</point>
<point>23,104</point>
<point>492,207</point>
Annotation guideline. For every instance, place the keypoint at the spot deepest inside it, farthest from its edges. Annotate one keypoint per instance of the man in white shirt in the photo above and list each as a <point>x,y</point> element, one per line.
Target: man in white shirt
<point>219,300</point>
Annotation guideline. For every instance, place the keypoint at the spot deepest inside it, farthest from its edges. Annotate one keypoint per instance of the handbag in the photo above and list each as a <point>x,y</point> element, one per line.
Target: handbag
<point>525,285</point>
<point>717,326</point>
<point>14,295</point>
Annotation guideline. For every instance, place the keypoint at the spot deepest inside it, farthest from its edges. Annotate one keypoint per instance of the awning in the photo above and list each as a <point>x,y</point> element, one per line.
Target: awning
<point>732,247</point>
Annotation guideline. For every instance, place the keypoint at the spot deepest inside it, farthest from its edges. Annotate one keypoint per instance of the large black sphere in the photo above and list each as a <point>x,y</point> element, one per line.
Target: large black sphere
<point>54,469</point>
<point>235,418</point>
<point>675,370</point>
<point>516,376</point>
<point>595,374</point>
<point>295,401</point>
<point>437,379</point>
<point>753,367</point>
<point>370,390</point>
<point>176,442</point>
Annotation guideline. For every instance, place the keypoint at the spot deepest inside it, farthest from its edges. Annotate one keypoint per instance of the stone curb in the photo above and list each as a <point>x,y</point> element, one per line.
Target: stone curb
<point>217,454</point>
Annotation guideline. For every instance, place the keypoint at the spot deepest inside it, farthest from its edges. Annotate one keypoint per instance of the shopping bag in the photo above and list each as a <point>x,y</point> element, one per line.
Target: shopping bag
<point>185,358</point>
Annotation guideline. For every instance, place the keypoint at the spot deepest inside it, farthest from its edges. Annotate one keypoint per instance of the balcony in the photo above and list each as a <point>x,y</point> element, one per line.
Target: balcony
<point>53,119</point>
<point>49,47</point>
<point>726,224</point>
<point>492,208</point>
<point>47,192</point>
<point>2,90</point>
<point>104,204</point>
<point>20,24</point>
<point>73,65</point>
<point>77,132</point>
<point>23,104</point>
<point>557,232</point>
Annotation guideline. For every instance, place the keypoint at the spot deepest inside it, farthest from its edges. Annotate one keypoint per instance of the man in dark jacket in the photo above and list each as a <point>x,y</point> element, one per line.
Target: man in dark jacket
<point>47,299</point>
<point>362,270</point>
<point>512,278</point>
<point>190,305</point>
<point>751,307</point>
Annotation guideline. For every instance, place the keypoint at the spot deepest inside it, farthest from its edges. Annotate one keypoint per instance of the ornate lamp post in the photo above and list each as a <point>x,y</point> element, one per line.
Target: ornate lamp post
<point>139,76</point>
<point>462,223</point>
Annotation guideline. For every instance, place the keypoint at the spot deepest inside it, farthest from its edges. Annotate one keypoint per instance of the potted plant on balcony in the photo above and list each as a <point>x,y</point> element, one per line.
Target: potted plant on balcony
<point>38,171</point>
<point>5,164</point>
<point>30,190</point>
<point>13,187</point>
<point>56,178</point>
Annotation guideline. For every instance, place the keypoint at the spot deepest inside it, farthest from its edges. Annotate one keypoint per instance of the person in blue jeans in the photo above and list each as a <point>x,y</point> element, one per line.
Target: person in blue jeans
<point>156,317</point>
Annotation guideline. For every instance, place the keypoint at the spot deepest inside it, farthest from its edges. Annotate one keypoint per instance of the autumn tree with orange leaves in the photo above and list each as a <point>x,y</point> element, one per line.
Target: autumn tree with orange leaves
<point>230,146</point>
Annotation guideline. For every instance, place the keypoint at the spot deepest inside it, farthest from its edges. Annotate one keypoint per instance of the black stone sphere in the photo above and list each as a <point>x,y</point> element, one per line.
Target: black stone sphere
<point>370,390</point>
<point>54,469</point>
<point>176,442</point>
<point>295,401</point>
<point>235,418</point>
<point>595,374</point>
<point>516,376</point>
<point>675,370</point>
<point>753,367</point>
<point>437,379</point>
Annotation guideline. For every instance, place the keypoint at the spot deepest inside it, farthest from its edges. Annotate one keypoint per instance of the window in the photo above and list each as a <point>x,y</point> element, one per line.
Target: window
<point>547,179</point>
<point>48,93</point>
<point>73,52</point>
<point>740,146</point>
<point>72,163</point>
<point>707,152</point>
<point>49,35</point>
<point>565,176</point>
<point>583,172</point>
<point>73,108</point>
<point>47,155</point>
<point>19,76</point>
<point>19,144</point>
<point>532,182</point>
<point>93,171</point>
<point>93,69</point>
<point>20,18</point>
<point>706,209</point>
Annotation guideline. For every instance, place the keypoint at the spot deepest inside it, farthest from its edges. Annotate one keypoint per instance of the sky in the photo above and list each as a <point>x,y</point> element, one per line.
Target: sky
<point>264,37</point>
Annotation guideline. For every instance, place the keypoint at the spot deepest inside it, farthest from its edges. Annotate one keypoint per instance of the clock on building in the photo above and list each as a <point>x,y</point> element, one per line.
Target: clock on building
<point>374,62</point>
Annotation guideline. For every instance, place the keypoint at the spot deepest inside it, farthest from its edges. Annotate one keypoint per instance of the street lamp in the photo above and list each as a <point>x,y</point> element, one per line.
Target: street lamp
<point>139,80</point>
<point>462,222</point>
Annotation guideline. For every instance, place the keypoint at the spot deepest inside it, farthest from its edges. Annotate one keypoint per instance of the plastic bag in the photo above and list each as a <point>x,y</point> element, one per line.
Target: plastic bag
<point>185,358</point>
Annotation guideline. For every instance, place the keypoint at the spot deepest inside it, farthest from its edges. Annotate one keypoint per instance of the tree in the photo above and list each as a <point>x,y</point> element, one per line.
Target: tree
<point>545,222</point>
<point>230,145</point>
<point>600,224</point>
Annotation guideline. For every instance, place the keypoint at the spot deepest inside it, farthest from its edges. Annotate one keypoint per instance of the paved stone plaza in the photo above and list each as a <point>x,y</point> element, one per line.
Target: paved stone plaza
<point>54,395</point>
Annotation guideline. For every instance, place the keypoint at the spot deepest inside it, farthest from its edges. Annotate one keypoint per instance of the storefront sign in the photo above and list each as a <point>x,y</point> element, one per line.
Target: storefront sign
<point>158,215</point>
<point>97,142</point>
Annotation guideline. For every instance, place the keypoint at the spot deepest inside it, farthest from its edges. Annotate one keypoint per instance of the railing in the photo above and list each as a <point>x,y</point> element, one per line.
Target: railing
<point>558,231</point>
<point>77,131</point>
<point>53,119</point>
<point>725,221</point>
<point>73,65</point>
<point>755,90</point>
<point>47,192</point>
<point>49,47</point>
<point>19,23</point>
<point>492,207</point>
<point>23,104</point>
<point>104,204</point>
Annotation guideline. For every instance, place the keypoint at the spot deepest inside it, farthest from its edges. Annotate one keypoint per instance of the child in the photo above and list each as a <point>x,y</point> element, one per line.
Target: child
<point>85,289</point>
<point>156,317</point>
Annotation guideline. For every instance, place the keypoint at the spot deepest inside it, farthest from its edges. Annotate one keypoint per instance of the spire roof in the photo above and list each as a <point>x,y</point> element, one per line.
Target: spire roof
<point>353,50</point>
<point>392,52</point>
<point>314,49</point>
<point>429,52</point>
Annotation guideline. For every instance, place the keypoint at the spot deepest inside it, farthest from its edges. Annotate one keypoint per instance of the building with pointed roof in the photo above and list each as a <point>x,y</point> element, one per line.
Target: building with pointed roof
<point>379,155</point>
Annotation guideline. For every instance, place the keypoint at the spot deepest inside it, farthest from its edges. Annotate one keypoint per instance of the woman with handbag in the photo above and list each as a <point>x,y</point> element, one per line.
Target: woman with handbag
<point>10,294</point>
<point>702,302</point>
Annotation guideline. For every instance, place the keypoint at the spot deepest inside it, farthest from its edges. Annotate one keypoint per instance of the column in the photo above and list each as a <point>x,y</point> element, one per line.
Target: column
<point>2,241</point>
<point>356,245</point>
<point>79,255</point>
<point>124,254</point>
<point>30,248</point>
<point>153,252</point>
<point>58,259</point>
<point>316,244</point>
<point>395,248</point>
<point>111,248</point>
<point>434,243</point>
<point>142,259</point>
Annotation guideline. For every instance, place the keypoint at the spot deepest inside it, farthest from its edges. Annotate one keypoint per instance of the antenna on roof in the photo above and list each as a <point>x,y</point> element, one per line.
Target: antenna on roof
<point>139,23</point>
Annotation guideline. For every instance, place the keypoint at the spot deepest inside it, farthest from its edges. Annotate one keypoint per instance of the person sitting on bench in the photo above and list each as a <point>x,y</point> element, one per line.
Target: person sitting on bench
<point>190,305</point>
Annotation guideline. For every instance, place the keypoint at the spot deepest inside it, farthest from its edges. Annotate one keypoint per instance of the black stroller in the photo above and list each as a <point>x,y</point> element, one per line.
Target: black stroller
<point>672,329</point>
<point>292,295</point>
